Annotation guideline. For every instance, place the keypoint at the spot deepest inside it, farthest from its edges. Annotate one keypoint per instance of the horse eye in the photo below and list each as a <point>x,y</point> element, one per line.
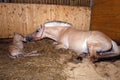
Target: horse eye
<point>37,31</point>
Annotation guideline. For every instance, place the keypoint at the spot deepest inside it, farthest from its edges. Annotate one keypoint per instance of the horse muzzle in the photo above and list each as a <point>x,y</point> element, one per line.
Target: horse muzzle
<point>29,38</point>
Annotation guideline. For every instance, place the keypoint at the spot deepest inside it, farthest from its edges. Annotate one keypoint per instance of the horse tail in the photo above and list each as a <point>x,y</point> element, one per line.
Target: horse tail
<point>115,48</point>
<point>115,51</point>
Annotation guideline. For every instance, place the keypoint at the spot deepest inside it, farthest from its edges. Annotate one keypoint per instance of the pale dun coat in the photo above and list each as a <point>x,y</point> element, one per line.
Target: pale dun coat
<point>93,43</point>
<point>16,48</point>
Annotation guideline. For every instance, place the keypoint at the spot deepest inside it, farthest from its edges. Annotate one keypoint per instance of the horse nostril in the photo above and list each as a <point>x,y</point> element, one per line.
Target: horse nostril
<point>29,38</point>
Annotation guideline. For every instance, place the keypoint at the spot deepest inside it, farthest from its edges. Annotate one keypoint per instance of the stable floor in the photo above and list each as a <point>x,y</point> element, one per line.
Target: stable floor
<point>53,64</point>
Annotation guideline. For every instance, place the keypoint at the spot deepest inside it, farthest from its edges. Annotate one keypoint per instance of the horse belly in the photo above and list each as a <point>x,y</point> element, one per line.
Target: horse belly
<point>79,47</point>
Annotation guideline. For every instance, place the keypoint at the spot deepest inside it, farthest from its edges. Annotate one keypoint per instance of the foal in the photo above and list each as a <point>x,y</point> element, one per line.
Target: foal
<point>16,49</point>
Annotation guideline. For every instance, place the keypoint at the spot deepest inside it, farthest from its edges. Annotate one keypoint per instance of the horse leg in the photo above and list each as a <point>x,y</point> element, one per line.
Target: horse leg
<point>60,46</point>
<point>93,53</point>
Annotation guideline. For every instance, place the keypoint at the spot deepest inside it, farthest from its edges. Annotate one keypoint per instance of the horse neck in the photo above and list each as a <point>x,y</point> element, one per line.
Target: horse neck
<point>19,44</point>
<point>53,32</point>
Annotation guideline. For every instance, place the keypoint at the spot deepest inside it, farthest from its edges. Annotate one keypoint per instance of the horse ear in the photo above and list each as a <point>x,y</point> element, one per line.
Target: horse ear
<point>14,33</point>
<point>41,26</point>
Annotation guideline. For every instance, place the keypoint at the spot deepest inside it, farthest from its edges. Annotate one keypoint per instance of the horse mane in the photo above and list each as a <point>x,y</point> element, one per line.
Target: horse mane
<point>57,23</point>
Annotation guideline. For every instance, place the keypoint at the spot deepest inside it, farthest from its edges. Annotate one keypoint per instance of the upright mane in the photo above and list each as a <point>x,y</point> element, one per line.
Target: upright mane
<point>57,23</point>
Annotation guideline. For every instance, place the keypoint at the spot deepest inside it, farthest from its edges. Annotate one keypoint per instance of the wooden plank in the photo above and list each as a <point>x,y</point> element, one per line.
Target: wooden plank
<point>3,19</point>
<point>106,17</point>
<point>76,15</point>
<point>55,2</point>
<point>25,18</point>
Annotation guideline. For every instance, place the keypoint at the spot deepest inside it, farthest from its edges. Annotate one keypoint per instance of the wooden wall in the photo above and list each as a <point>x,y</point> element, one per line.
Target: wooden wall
<point>60,2</point>
<point>24,18</point>
<point>106,17</point>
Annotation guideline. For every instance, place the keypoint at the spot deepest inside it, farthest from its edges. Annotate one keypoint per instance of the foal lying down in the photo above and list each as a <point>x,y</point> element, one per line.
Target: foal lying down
<point>94,44</point>
<point>16,49</point>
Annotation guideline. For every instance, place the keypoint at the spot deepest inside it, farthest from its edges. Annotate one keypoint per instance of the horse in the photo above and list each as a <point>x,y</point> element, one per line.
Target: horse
<point>17,46</point>
<point>94,44</point>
